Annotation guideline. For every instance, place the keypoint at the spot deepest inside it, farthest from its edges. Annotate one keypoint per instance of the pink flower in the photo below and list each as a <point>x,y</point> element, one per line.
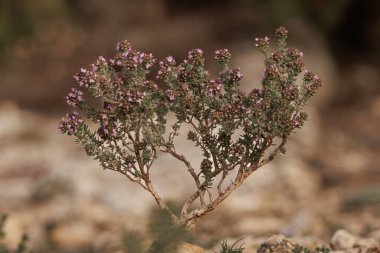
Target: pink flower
<point>70,123</point>
<point>74,98</point>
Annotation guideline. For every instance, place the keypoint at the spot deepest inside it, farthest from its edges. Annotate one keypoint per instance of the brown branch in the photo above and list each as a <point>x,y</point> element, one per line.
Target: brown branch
<point>190,169</point>
<point>145,176</point>
<point>202,196</point>
<point>211,197</point>
<point>219,187</point>
<point>183,159</point>
<point>188,203</point>
<point>161,204</point>
<point>121,170</point>
<point>126,173</point>
<point>214,159</point>
<point>197,213</point>
<point>240,178</point>
<point>153,158</point>
<point>126,144</point>
<point>137,153</point>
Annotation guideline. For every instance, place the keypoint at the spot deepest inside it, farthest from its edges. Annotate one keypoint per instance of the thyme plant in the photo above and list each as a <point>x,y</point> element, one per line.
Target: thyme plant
<point>237,132</point>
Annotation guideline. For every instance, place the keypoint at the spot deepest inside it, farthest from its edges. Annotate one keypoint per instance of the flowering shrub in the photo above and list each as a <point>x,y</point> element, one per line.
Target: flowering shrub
<point>132,118</point>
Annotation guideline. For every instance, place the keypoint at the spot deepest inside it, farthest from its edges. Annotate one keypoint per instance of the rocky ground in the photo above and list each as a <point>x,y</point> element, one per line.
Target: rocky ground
<point>341,242</point>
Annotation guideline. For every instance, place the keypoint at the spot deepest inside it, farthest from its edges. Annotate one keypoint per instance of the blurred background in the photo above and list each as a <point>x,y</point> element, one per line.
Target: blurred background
<point>64,201</point>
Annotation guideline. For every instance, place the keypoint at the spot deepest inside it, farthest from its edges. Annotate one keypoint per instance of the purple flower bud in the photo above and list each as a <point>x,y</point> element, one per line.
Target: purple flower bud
<point>167,69</point>
<point>134,59</point>
<point>234,75</point>
<point>281,33</point>
<point>222,56</point>
<point>74,98</point>
<point>145,60</point>
<point>170,60</point>
<point>108,130</point>
<point>271,72</point>
<point>299,119</point>
<point>213,87</point>
<point>70,123</point>
<point>262,44</point>
<point>170,94</point>
<point>108,127</point>
<point>293,53</point>
<point>107,106</point>
<point>308,76</point>
<point>290,93</point>
<point>277,57</point>
<point>195,57</point>
<point>123,46</point>
<point>86,78</point>
<point>312,83</point>
<point>101,62</point>
<point>296,66</point>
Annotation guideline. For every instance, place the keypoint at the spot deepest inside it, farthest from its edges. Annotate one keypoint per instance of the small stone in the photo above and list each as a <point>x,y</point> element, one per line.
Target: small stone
<point>13,230</point>
<point>76,235</point>
<point>366,243</point>
<point>185,247</point>
<point>277,243</point>
<point>343,240</point>
<point>376,235</point>
<point>268,225</point>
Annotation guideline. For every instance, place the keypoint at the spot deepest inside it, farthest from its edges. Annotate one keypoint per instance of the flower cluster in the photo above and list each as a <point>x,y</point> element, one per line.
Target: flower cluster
<point>108,128</point>
<point>123,46</point>
<point>132,60</point>
<point>71,123</point>
<point>223,56</point>
<point>281,33</point>
<point>213,87</point>
<point>167,69</point>
<point>234,75</point>
<point>75,98</point>
<point>196,56</point>
<point>234,130</point>
<point>312,83</point>
<point>170,94</point>
<point>262,44</point>
<point>85,78</point>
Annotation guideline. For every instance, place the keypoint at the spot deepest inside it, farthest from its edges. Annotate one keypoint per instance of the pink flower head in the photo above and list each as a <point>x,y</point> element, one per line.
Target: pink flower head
<point>235,75</point>
<point>222,55</point>
<point>70,123</point>
<point>170,94</point>
<point>74,98</point>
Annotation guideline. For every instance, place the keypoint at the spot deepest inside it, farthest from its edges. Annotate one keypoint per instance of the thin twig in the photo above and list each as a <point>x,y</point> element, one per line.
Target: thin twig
<point>272,155</point>
<point>219,187</point>
<point>159,201</point>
